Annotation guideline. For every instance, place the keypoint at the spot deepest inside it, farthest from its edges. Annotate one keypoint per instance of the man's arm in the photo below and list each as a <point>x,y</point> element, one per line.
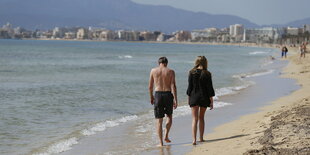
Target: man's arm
<point>174,90</point>
<point>151,86</point>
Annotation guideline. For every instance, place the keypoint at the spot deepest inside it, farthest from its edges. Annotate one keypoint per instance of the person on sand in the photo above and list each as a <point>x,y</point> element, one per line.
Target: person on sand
<point>284,51</point>
<point>303,48</point>
<point>164,101</point>
<point>200,93</point>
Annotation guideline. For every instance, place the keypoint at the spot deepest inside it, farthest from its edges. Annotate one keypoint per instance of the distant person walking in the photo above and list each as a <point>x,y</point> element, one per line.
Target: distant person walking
<point>303,49</point>
<point>284,51</point>
<point>200,95</point>
<point>164,101</point>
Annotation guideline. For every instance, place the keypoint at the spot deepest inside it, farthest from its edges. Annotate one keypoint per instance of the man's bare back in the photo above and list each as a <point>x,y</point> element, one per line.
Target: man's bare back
<point>163,77</point>
<point>164,80</point>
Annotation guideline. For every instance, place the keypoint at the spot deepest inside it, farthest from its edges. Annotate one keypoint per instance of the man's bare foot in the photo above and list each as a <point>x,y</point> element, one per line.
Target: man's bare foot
<point>194,143</point>
<point>202,140</point>
<point>167,140</point>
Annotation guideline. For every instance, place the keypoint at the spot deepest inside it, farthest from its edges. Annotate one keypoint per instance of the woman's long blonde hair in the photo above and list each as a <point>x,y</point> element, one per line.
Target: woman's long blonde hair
<point>200,61</point>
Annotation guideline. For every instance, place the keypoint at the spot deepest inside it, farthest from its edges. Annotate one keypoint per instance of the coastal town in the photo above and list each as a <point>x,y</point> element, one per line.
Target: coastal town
<point>236,33</point>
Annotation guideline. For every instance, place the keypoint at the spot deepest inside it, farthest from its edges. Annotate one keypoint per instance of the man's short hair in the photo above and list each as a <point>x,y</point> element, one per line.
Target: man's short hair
<point>163,60</point>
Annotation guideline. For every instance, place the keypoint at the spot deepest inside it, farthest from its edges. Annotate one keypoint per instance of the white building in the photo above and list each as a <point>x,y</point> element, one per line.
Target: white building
<point>128,35</point>
<point>262,35</point>
<point>107,35</point>
<point>307,28</point>
<point>292,31</point>
<point>82,33</point>
<point>236,30</point>
<point>58,32</point>
<point>203,34</point>
<point>9,29</point>
<point>231,30</point>
<point>70,35</point>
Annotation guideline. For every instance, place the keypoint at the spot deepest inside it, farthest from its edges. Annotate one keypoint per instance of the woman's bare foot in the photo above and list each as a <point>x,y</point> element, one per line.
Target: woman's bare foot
<point>167,140</point>
<point>202,140</point>
<point>194,143</point>
<point>160,145</point>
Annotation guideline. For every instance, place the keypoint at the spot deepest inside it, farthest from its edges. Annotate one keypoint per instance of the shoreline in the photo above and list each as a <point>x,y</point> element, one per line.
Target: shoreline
<point>261,131</point>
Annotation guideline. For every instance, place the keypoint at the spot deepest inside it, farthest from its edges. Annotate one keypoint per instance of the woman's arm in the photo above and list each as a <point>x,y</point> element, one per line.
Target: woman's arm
<point>210,87</point>
<point>190,85</point>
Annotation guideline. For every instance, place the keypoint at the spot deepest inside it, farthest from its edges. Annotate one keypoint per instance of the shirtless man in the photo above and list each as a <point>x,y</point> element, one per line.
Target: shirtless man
<point>164,101</point>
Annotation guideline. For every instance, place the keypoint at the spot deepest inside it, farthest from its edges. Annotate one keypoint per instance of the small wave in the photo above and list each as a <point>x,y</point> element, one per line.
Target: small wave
<point>261,73</point>
<point>59,147</point>
<point>107,124</point>
<point>221,104</point>
<point>125,56</point>
<point>258,52</point>
<point>255,74</point>
<point>230,90</point>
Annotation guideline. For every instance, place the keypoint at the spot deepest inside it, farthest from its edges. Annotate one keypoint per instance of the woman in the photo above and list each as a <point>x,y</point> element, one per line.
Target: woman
<point>200,95</point>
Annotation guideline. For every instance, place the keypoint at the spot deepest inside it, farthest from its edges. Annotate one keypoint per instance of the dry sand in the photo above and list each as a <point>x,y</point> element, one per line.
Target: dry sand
<point>283,127</point>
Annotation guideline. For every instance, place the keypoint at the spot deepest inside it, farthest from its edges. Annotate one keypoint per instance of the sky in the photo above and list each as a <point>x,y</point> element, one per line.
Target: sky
<point>262,12</point>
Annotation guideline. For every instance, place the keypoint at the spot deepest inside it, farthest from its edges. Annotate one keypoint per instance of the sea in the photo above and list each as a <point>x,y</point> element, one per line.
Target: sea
<point>54,94</point>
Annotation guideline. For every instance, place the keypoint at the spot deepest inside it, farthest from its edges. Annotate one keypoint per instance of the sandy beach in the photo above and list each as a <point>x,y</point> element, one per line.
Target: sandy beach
<point>282,127</point>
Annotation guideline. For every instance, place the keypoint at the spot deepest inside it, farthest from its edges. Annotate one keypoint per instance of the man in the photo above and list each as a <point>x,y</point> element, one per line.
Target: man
<point>164,101</point>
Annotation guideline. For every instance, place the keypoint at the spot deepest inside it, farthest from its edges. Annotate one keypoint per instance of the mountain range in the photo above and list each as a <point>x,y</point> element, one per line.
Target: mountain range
<point>111,14</point>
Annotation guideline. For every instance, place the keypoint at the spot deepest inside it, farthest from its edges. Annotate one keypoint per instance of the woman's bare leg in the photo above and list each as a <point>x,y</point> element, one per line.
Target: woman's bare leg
<point>194,122</point>
<point>202,111</point>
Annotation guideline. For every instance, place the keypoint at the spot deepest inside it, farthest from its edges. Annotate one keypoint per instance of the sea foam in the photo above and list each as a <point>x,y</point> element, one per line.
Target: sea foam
<point>258,52</point>
<point>60,146</point>
<point>125,57</point>
<point>107,124</point>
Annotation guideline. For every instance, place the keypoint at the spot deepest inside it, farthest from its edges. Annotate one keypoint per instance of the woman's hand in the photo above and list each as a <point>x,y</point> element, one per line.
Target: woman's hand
<point>211,104</point>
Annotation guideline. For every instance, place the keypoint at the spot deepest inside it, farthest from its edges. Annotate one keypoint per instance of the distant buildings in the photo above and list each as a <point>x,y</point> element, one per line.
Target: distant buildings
<point>236,33</point>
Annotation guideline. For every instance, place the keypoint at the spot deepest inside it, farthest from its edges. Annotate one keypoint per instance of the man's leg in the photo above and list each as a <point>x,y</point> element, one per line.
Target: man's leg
<point>168,126</point>
<point>160,131</point>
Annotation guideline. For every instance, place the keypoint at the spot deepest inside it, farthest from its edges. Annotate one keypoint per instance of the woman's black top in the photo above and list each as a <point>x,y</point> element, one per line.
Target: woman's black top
<point>200,88</point>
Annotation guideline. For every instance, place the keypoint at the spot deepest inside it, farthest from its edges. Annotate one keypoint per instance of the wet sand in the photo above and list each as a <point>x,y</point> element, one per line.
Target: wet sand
<point>283,127</point>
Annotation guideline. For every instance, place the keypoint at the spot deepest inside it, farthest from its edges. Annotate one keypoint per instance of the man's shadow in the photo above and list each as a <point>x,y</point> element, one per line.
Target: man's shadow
<point>213,140</point>
<point>220,139</point>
